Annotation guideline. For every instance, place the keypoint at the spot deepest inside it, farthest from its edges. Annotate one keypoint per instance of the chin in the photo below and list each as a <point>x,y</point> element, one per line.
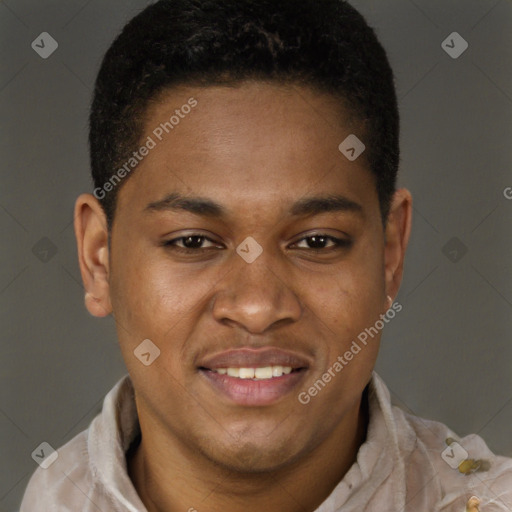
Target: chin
<point>252,457</point>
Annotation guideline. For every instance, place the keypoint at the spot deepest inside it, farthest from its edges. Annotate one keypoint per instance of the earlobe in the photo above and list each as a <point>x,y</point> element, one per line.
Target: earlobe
<point>398,229</point>
<point>93,254</point>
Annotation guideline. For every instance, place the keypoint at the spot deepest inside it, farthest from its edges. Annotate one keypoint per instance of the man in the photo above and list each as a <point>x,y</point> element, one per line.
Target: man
<point>246,234</point>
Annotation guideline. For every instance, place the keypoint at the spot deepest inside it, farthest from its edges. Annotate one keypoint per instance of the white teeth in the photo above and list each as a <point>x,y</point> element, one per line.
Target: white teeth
<point>266,372</point>
<point>246,373</point>
<point>277,371</point>
<point>263,373</point>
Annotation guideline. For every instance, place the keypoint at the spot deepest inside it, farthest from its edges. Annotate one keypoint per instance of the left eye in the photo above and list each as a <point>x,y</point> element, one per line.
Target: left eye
<point>318,242</point>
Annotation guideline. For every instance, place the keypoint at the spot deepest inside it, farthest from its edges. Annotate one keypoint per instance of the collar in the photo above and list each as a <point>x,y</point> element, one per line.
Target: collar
<point>380,458</point>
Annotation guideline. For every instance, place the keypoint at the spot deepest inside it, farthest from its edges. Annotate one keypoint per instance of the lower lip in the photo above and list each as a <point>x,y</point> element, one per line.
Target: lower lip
<point>254,392</point>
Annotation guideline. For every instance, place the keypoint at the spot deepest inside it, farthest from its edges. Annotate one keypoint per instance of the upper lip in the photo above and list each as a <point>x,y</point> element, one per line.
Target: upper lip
<point>254,358</point>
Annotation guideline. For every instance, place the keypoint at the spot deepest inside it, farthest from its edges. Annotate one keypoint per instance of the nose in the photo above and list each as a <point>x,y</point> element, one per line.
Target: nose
<point>256,296</point>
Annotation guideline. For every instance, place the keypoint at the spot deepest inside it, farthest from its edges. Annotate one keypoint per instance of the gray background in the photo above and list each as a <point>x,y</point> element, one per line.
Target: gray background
<point>446,356</point>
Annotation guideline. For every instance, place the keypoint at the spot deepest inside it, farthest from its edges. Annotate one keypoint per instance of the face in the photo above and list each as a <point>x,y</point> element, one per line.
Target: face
<point>245,241</point>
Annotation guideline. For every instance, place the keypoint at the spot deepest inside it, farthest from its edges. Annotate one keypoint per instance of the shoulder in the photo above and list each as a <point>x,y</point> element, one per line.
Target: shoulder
<point>86,472</point>
<point>464,467</point>
<point>63,483</point>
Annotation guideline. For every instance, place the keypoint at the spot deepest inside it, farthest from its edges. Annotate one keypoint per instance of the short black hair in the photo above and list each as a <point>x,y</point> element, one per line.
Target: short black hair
<point>324,44</point>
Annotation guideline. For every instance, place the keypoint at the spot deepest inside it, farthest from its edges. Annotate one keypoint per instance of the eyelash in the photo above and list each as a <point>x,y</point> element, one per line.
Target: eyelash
<point>339,243</point>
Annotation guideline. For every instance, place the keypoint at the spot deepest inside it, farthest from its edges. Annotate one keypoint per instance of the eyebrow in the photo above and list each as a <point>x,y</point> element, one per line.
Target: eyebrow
<point>325,204</point>
<point>205,207</point>
<point>197,205</point>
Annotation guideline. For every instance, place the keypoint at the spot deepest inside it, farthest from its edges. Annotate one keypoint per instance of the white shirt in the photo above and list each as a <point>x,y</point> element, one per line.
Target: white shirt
<point>405,464</point>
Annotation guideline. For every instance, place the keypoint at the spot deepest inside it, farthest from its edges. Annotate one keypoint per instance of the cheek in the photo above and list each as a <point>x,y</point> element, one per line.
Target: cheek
<point>367,280</point>
<point>145,288</point>
<point>155,299</point>
<point>173,293</point>
<point>150,304</point>
<point>350,295</point>
<point>347,303</point>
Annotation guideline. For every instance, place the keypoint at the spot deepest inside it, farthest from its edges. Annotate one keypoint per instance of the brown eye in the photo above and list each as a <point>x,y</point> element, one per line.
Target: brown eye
<point>319,242</point>
<point>189,243</point>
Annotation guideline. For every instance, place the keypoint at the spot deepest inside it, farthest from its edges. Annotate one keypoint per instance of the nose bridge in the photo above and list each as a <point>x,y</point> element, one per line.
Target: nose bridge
<point>256,293</point>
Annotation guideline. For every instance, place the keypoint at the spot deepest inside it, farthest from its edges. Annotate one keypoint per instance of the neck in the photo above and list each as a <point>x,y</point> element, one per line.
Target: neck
<point>171,478</point>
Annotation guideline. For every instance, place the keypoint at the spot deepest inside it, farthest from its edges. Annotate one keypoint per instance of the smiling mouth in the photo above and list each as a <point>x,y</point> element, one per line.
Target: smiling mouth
<point>254,377</point>
<point>254,386</point>
<point>259,373</point>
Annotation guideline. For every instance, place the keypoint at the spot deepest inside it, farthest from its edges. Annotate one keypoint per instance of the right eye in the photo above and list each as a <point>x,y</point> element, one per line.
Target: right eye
<point>189,243</point>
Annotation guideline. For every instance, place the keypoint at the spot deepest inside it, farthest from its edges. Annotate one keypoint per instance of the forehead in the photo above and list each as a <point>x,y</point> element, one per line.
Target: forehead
<point>242,144</point>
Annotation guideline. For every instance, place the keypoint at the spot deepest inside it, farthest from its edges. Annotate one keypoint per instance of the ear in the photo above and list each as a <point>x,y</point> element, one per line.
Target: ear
<point>398,229</point>
<point>93,253</point>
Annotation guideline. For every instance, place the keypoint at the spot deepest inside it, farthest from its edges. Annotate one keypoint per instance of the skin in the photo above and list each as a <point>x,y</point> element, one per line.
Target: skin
<point>256,149</point>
